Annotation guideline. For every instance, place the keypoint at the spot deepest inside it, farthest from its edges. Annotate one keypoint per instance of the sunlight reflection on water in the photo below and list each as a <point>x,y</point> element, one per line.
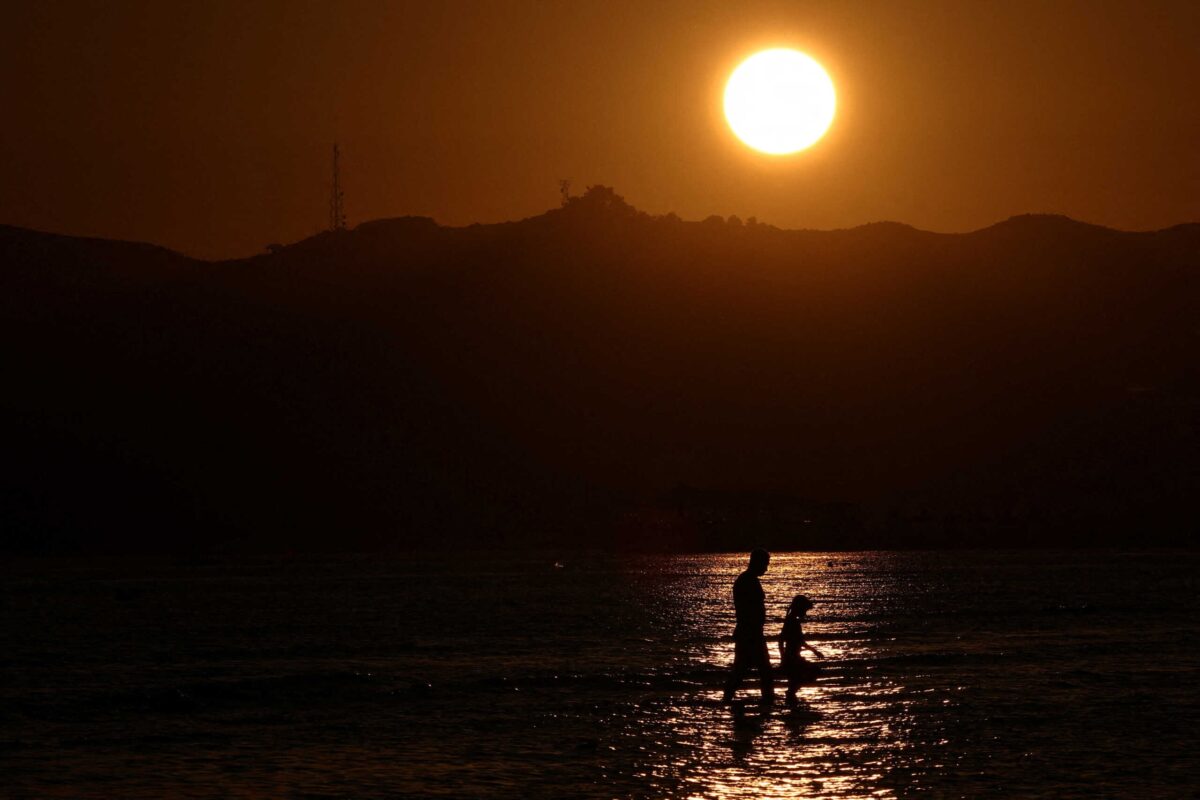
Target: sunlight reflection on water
<point>955,674</point>
<point>828,746</point>
<point>936,674</point>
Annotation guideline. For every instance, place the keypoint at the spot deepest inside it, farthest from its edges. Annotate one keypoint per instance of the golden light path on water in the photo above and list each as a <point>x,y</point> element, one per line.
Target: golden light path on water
<point>844,734</point>
<point>598,676</point>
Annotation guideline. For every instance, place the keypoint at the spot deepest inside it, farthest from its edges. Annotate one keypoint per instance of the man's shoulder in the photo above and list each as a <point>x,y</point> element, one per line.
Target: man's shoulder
<point>747,580</point>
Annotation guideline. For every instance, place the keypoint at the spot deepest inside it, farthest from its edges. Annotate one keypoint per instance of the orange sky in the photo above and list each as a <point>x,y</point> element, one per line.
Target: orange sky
<point>206,126</point>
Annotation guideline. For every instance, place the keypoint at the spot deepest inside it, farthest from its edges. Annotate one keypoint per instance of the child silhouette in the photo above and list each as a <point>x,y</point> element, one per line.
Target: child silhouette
<point>791,642</point>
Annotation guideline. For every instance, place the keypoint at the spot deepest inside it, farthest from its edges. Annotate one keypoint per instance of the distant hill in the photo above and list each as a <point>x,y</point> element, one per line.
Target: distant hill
<point>595,376</point>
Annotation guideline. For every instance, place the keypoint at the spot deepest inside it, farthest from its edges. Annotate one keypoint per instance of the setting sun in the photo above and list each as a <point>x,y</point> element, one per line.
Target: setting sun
<point>779,101</point>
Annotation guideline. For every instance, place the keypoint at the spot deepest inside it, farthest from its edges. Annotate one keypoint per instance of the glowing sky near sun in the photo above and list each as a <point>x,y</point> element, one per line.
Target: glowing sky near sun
<point>207,127</point>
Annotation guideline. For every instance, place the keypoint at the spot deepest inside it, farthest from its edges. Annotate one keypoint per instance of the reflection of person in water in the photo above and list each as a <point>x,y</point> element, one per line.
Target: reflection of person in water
<point>791,642</point>
<point>749,644</point>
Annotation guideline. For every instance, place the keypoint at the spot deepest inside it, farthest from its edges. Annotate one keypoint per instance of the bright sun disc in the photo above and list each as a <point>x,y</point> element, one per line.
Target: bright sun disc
<point>779,101</point>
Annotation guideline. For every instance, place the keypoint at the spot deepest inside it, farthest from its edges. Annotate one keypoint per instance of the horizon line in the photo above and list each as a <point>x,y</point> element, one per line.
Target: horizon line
<point>640,215</point>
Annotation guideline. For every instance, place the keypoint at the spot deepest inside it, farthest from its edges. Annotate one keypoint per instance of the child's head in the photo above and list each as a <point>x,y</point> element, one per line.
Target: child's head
<point>800,606</point>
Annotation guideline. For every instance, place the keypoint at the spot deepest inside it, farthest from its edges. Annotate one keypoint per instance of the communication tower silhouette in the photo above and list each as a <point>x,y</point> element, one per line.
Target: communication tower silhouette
<point>337,211</point>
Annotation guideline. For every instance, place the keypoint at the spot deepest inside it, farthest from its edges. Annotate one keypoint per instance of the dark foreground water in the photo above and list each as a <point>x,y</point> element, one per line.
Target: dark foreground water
<point>947,674</point>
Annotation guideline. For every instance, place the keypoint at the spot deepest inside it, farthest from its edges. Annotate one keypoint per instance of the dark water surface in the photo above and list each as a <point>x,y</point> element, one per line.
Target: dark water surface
<point>1066,674</point>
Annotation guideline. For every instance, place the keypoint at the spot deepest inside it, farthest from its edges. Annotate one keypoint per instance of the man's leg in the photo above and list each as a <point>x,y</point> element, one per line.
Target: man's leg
<point>764,672</point>
<point>740,667</point>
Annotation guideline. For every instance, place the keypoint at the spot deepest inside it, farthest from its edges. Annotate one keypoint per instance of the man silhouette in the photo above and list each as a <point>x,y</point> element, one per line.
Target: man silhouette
<point>749,643</point>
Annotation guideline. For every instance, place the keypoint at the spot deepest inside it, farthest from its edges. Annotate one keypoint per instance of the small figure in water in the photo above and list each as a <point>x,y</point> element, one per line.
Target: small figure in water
<point>791,642</point>
<point>749,643</point>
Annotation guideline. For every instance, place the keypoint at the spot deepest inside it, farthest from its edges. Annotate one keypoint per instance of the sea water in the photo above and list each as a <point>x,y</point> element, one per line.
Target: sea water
<point>1055,674</point>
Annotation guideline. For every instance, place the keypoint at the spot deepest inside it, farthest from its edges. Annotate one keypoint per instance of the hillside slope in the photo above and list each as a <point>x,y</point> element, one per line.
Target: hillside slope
<point>559,379</point>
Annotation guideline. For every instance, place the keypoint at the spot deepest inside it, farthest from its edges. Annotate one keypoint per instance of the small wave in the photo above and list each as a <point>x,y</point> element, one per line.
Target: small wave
<point>266,690</point>
<point>613,681</point>
<point>942,658</point>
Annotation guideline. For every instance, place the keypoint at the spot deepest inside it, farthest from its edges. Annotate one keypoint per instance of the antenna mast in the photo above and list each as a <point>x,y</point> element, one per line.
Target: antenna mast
<point>337,211</point>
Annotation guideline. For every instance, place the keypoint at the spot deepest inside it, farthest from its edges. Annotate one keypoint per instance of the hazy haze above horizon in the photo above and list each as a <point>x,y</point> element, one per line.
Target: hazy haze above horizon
<point>207,127</point>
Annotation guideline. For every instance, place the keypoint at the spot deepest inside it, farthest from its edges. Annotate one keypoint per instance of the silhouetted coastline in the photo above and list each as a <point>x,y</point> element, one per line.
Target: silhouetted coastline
<point>598,377</point>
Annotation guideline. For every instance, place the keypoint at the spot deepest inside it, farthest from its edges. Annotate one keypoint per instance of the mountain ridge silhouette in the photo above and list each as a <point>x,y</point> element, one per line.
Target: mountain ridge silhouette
<point>596,376</point>
<point>1016,221</point>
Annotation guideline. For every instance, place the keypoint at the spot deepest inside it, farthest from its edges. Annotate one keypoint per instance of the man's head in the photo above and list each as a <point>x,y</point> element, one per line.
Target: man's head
<point>759,559</point>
